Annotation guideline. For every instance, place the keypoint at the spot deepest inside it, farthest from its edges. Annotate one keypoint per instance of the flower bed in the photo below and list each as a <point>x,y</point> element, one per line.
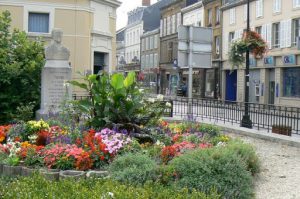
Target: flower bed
<point>181,153</point>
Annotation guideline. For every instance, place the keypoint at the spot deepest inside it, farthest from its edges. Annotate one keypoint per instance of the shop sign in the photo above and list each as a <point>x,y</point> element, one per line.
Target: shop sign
<point>289,59</point>
<point>269,61</point>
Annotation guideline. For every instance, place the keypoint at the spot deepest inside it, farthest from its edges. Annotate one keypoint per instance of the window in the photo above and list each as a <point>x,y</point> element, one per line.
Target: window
<point>296,30</point>
<point>209,14</point>
<point>174,27</point>
<point>147,61</point>
<point>170,51</point>
<point>232,16</point>
<point>258,30</point>
<point>151,42</point>
<point>231,37</point>
<point>161,27</point>
<point>276,35</point>
<point>291,82</point>
<point>151,60</point>
<point>38,22</point>
<point>155,63</point>
<point>178,19</point>
<point>218,15</point>
<point>147,43</point>
<point>155,41</point>
<point>133,38</point>
<point>143,61</point>
<point>259,8</point>
<point>165,26</point>
<point>296,3</point>
<point>217,42</point>
<point>168,25</point>
<point>276,6</point>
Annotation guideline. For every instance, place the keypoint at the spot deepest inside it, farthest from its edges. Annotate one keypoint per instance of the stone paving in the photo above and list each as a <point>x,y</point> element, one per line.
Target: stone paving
<point>280,173</point>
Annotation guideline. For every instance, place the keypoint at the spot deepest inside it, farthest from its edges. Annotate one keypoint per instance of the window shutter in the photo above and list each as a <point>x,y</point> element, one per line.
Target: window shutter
<point>165,26</point>
<point>161,27</point>
<point>178,19</point>
<point>288,33</point>
<point>269,35</point>
<point>282,34</point>
<point>236,35</point>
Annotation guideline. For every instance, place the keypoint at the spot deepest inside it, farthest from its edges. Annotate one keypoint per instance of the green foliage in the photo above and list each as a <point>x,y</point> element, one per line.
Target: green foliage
<point>133,168</point>
<point>211,168</point>
<point>210,129</point>
<point>12,160</point>
<point>38,187</point>
<point>246,152</point>
<point>33,159</point>
<point>21,61</point>
<point>117,100</point>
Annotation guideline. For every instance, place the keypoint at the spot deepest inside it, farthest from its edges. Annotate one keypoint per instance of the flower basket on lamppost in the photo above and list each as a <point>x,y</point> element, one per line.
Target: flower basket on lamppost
<point>250,43</point>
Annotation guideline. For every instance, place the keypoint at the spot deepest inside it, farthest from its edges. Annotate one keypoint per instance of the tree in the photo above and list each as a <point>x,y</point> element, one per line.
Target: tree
<point>21,61</point>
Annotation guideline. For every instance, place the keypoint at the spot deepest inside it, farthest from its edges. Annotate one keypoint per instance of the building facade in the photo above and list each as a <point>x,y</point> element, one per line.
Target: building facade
<point>89,28</point>
<point>193,15</point>
<point>120,50</point>
<point>212,16</point>
<point>171,19</point>
<point>275,78</point>
<point>150,51</point>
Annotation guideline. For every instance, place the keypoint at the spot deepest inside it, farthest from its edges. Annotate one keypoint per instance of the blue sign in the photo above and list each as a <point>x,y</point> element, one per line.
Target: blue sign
<point>289,59</point>
<point>269,61</point>
<point>252,62</point>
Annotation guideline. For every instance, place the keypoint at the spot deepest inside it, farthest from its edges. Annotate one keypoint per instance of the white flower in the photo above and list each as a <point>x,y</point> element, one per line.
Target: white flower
<point>152,100</point>
<point>111,194</point>
<point>160,97</point>
<point>141,90</point>
<point>168,104</point>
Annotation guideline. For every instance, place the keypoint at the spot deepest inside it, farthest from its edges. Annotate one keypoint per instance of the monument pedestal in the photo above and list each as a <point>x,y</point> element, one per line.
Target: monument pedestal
<point>55,76</point>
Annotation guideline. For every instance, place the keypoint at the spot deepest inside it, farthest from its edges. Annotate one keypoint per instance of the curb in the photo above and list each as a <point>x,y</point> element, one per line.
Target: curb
<point>281,139</point>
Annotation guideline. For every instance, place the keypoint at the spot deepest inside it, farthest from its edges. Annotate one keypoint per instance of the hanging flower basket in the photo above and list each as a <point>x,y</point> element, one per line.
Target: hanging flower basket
<point>251,40</point>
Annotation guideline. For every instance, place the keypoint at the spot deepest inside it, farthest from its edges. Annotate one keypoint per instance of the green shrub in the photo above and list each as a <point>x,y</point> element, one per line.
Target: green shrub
<point>246,152</point>
<point>209,129</point>
<point>213,168</point>
<point>21,61</point>
<point>133,168</point>
<point>38,187</point>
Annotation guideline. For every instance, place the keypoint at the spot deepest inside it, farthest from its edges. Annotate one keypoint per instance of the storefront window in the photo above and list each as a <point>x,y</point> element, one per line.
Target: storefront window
<point>291,82</point>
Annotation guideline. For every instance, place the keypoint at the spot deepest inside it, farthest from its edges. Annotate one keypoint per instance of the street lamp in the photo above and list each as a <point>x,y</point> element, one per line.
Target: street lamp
<point>246,121</point>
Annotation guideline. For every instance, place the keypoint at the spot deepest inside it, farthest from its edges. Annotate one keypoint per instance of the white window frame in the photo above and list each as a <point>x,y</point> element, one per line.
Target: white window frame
<point>232,16</point>
<point>151,42</point>
<point>296,3</point>
<point>245,12</point>
<point>155,41</point>
<point>259,8</point>
<point>38,9</point>
<point>276,6</point>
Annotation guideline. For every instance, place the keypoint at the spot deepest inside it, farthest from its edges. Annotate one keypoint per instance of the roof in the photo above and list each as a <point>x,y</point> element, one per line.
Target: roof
<point>151,14</point>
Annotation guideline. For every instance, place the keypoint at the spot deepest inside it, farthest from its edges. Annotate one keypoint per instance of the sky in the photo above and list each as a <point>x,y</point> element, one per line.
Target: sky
<point>127,5</point>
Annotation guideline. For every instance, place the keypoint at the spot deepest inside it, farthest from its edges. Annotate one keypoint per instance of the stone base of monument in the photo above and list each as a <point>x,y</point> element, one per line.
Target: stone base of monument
<point>55,88</point>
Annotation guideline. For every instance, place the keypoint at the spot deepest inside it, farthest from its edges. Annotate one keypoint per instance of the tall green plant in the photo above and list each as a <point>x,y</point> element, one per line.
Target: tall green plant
<point>21,61</point>
<point>117,100</point>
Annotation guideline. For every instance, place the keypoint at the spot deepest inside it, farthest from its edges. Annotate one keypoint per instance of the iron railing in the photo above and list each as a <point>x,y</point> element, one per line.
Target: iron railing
<point>263,116</point>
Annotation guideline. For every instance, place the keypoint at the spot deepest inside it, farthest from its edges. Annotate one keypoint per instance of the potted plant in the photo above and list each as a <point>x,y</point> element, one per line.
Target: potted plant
<point>282,130</point>
<point>251,41</point>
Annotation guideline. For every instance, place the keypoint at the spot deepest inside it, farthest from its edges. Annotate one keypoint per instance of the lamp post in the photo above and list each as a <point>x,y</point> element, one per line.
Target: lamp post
<point>246,121</point>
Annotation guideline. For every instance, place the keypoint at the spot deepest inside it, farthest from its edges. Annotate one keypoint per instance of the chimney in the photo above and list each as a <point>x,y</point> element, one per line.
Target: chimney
<point>146,3</point>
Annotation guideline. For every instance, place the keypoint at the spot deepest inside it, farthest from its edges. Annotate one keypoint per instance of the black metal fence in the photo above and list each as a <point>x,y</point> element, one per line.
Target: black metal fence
<point>263,116</point>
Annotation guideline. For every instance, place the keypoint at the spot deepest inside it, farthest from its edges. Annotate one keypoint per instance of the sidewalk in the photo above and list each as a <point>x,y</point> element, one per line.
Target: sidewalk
<point>263,134</point>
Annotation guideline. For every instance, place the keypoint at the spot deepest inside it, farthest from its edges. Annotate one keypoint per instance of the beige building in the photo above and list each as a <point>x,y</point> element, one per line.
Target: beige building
<point>89,28</point>
<point>275,78</point>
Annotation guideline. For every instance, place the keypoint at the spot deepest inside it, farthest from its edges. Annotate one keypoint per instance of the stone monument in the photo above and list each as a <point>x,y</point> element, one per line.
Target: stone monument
<point>55,75</point>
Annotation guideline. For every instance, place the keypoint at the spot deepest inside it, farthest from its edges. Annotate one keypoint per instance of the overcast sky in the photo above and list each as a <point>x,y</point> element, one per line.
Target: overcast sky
<point>127,5</point>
